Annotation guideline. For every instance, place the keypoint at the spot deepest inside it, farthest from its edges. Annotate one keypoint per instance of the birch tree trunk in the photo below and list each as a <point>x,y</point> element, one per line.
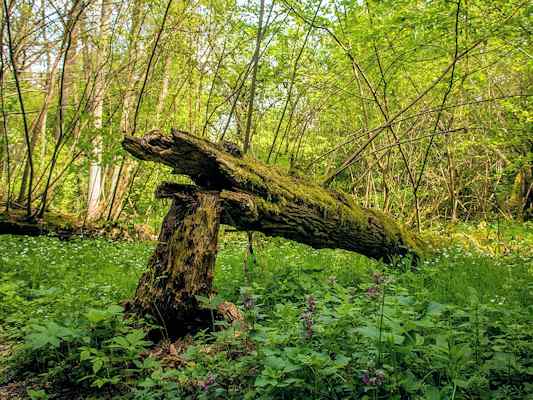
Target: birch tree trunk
<point>122,171</point>
<point>95,166</point>
<point>163,93</point>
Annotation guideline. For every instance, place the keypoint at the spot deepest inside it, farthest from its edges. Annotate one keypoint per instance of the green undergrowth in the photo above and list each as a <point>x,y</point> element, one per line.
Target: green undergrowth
<point>318,324</point>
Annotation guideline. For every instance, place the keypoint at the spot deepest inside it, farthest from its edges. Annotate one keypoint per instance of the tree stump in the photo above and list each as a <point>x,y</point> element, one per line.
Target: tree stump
<point>182,265</point>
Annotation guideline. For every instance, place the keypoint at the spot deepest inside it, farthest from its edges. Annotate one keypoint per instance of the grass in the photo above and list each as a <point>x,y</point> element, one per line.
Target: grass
<point>319,324</point>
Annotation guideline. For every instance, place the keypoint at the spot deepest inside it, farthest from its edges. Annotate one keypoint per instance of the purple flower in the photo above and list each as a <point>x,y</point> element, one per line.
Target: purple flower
<point>248,303</point>
<point>205,385</point>
<point>373,378</point>
<point>380,377</point>
<point>311,304</point>
<point>372,292</point>
<point>307,317</point>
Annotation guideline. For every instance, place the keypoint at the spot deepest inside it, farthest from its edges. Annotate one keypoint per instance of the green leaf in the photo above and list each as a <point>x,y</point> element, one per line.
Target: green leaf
<point>37,394</point>
<point>502,361</point>
<point>419,340</point>
<point>261,381</point>
<point>97,365</point>
<point>100,382</point>
<point>432,393</point>
<point>368,331</point>
<point>85,355</point>
<point>277,362</point>
<point>341,360</point>
<point>95,316</point>
<point>461,383</point>
<point>435,308</point>
<point>441,341</point>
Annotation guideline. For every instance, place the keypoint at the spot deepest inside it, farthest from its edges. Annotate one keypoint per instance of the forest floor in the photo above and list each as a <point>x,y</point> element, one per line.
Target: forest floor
<point>322,324</point>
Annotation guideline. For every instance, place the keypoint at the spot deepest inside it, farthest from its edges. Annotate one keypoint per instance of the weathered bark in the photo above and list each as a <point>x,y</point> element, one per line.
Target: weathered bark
<point>182,266</point>
<point>521,200</point>
<point>258,197</point>
<point>375,237</point>
<point>65,227</point>
<point>17,224</point>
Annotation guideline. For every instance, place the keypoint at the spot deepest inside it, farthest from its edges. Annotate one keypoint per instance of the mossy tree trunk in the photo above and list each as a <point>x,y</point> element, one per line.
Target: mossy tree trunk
<point>371,233</point>
<point>251,196</point>
<point>260,197</point>
<point>182,265</point>
<point>521,200</point>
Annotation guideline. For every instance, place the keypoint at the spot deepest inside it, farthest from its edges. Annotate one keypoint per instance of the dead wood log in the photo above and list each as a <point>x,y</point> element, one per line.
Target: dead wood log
<point>16,222</point>
<point>181,267</point>
<point>65,227</point>
<point>259,197</point>
<point>248,195</point>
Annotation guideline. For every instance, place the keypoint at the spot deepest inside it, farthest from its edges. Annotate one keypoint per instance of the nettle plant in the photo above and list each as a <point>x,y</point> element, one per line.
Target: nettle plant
<point>99,349</point>
<point>315,326</point>
<point>395,335</point>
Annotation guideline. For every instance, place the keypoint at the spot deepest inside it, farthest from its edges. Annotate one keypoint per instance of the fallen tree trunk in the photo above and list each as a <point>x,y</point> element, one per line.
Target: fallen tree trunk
<point>16,222</point>
<point>260,197</point>
<point>248,195</point>
<point>304,224</point>
<point>65,227</point>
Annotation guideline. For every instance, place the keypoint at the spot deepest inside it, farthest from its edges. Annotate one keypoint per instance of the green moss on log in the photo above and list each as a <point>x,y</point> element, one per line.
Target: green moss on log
<point>282,200</point>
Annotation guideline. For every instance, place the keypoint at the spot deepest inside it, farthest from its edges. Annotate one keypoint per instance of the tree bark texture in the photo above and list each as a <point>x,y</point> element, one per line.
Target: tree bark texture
<point>182,266</point>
